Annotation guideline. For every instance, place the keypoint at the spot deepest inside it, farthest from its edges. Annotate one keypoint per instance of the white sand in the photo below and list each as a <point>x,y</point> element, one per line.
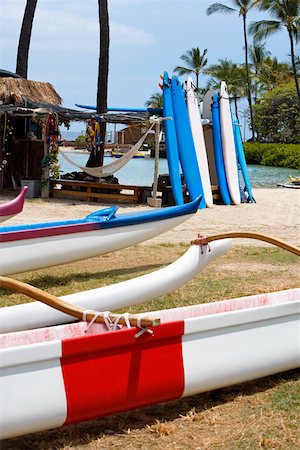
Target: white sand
<point>276,214</point>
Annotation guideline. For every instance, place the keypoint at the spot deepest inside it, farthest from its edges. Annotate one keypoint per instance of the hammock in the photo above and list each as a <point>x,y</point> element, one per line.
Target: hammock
<point>110,169</point>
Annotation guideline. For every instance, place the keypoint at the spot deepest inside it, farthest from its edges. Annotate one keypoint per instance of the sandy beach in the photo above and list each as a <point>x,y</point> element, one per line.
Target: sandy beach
<point>275,213</point>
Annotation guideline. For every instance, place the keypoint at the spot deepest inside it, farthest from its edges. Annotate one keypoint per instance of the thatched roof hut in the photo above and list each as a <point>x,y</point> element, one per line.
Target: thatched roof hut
<point>17,91</point>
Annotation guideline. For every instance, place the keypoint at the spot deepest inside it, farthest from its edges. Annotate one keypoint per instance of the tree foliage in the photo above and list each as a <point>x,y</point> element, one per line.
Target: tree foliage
<point>277,116</point>
<point>242,7</point>
<point>155,101</point>
<point>277,155</point>
<point>235,77</point>
<point>284,14</point>
<point>194,63</point>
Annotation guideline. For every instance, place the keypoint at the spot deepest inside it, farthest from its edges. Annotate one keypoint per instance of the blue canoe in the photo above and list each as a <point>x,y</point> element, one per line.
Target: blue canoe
<point>38,245</point>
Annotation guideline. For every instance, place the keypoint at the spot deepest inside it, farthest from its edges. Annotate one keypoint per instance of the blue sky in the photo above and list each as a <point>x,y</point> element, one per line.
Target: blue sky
<point>147,37</point>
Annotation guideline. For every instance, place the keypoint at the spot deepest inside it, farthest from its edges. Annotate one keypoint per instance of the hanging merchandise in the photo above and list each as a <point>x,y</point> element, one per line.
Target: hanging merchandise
<point>52,139</point>
<point>97,134</point>
<point>3,142</point>
<point>6,141</point>
<point>91,135</point>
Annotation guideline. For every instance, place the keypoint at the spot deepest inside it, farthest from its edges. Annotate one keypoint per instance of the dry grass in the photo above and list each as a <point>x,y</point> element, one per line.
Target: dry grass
<point>16,90</point>
<point>262,414</point>
<point>246,416</point>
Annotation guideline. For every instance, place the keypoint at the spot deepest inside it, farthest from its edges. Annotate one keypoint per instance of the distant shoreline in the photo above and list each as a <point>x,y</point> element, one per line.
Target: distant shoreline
<point>71,149</point>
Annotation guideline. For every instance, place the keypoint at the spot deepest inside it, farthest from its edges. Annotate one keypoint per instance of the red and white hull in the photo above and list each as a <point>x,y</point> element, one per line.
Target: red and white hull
<point>59,375</point>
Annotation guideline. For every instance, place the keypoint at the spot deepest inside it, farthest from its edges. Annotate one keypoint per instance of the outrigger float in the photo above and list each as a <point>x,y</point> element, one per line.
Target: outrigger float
<point>38,245</point>
<point>137,290</point>
<point>13,207</point>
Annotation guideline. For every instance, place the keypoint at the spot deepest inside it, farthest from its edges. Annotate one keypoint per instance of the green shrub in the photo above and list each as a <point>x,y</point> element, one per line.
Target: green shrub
<point>81,139</point>
<point>276,115</point>
<point>278,155</point>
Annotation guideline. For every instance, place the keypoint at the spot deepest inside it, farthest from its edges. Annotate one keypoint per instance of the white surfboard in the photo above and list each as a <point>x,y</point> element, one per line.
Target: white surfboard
<point>207,104</point>
<point>229,154</point>
<point>199,142</point>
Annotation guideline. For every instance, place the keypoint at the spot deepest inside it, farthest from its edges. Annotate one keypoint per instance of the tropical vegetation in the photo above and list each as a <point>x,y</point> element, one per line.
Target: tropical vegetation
<point>195,62</point>
<point>277,116</point>
<point>242,7</point>
<point>278,155</point>
<point>285,14</point>
<point>155,101</point>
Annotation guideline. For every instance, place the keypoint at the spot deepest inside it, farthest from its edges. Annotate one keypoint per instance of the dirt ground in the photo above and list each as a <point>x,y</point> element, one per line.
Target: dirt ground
<point>275,213</point>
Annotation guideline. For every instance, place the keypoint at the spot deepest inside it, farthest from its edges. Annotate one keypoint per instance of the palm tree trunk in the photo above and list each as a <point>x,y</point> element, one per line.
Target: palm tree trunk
<point>197,82</point>
<point>294,65</point>
<point>248,78</point>
<point>236,108</point>
<point>97,159</point>
<point>24,39</point>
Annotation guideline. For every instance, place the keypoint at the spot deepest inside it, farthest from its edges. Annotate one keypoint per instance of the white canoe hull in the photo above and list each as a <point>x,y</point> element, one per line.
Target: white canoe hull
<point>161,282</point>
<point>55,376</point>
<point>37,253</point>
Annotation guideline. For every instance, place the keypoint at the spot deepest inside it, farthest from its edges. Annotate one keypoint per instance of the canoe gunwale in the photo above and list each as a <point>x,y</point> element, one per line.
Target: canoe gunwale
<point>20,232</point>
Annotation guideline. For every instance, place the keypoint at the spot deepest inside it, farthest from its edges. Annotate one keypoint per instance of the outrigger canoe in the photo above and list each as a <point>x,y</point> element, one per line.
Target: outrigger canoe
<point>130,292</point>
<point>38,245</point>
<point>13,207</point>
<point>65,374</point>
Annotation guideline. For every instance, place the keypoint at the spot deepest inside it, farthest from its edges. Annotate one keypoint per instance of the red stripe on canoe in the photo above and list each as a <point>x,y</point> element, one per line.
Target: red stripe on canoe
<point>35,233</point>
<point>115,371</point>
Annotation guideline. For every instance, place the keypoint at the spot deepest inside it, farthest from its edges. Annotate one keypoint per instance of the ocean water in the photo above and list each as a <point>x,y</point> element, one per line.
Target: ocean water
<point>140,171</point>
<point>69,135</point>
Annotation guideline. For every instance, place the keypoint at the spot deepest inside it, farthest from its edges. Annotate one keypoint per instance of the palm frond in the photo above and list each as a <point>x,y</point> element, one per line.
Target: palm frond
<point>155,101</point>
<point>182,70</point>
<point>219,8</point>
<point>264,28</point>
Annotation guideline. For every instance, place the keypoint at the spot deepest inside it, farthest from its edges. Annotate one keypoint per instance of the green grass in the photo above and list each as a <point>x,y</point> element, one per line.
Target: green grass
<point>242,271</point>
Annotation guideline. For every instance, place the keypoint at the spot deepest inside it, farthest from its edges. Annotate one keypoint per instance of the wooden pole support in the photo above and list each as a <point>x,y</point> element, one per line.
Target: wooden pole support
<point>203,240</point>
<point>67,308</point>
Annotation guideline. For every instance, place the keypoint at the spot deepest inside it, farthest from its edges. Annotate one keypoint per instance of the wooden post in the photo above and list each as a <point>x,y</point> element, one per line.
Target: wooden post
<point>154,201</point>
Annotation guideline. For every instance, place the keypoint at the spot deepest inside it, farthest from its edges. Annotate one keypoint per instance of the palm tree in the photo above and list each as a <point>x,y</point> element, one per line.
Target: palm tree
<point>195,63</point>
<point>155,101</point>
<point>24,39</point>
<point>257,54</point>
<point>242,7</point>
<point>286,13</point>
<point>233,74</point>
<point>273,73</point>
<point>97,158</point>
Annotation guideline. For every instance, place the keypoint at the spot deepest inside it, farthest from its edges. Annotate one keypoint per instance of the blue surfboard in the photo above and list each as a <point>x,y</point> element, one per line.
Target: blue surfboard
<point>171,141</point>
<point>186,147</point>
<point>133,110</point>
<point>218,151</point>
<point>241,158</point>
